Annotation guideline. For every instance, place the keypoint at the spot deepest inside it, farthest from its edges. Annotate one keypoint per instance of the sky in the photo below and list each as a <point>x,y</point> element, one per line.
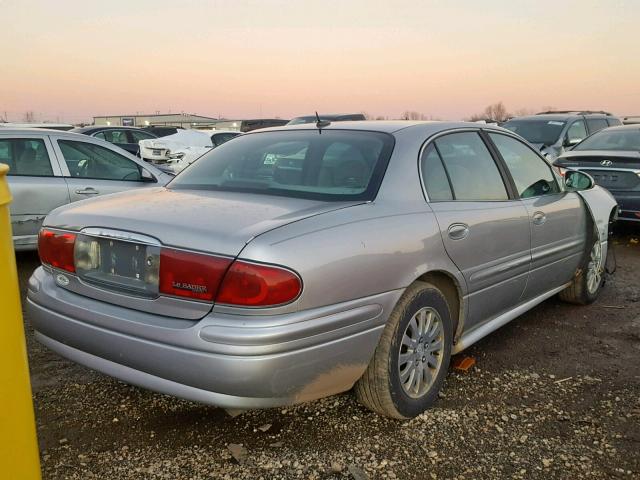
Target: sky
<point>69,60</point>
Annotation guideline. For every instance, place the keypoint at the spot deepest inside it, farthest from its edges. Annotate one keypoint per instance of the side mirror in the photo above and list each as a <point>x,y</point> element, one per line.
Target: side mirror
<point>146,176</point>
<point>570,142</point>
<point>575,180</point>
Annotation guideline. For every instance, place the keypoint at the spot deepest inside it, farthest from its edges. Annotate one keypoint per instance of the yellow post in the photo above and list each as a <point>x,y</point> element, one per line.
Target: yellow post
<point>18,443</point>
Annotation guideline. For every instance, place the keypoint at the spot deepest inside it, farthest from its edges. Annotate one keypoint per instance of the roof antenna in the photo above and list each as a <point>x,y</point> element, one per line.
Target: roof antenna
<point>321,123</point>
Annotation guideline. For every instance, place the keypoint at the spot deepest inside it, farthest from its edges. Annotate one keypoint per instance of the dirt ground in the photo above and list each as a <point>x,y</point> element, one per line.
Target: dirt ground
<point>554,394</point>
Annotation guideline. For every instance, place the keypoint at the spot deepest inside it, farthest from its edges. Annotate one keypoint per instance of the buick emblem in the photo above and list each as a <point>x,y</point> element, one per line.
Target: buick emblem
<point>606,163</point>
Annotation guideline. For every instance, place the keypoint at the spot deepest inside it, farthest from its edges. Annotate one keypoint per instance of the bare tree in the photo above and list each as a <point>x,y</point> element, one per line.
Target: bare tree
<point>496,112</point>
<point>29,117</point>
<point>412,115</point>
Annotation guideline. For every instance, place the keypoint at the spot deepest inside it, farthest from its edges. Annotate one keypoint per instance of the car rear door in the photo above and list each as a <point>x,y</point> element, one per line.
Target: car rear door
<point>558,219</point>
<point>36,184</point>
<point>485,229</point>
<point>92,169</point>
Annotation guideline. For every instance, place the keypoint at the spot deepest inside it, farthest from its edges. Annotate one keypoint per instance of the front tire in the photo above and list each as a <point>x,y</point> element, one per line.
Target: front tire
<point>411,360</point>
<point>587,283</point>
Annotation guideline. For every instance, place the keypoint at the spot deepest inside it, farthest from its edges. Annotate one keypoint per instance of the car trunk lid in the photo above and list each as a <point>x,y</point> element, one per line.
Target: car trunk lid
<point>614,170</point>
<point>120,237</point>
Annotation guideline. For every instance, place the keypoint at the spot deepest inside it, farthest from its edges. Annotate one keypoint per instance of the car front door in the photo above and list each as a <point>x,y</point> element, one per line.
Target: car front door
<point>36,184</point>
<point>557,218</point>
<point>485,229</point>
<point>91,169</point>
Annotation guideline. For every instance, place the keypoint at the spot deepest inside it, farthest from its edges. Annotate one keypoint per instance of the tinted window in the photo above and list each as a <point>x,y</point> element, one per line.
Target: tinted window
<point>140,135</point>
<point>334,165</point>
<point>86,160</point>
<point>434,176</point>
<point>531,174</point>
<point>26,157</point>
<point>473,172</point>
<point>613,121</point>
<point>113,136</point>
<point>613,139</point>
<point>220,138</point>
<point>545,132</point>
<point>596,124</point>
<point>577,131</point>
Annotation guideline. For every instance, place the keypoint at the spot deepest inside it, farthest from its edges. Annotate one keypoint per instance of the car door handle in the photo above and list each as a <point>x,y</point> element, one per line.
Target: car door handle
<point>539,218</point>
<point>458,231</point>
<point>87,191</point>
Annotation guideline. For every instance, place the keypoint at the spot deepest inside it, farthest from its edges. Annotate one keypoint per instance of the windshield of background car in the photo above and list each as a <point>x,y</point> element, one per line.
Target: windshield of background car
<point>612,140</point>
<point>545,132</point>
<point>302,120</point>
<point>314,164</point>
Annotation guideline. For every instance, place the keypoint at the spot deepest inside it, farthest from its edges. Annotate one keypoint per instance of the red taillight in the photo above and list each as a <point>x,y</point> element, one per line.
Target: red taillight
<point>190,274</point>
<point>254,285</point>
<point>56,249</point>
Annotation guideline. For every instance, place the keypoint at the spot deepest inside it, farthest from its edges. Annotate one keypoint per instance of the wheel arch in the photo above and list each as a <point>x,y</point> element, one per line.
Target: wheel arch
<point>452,292</point>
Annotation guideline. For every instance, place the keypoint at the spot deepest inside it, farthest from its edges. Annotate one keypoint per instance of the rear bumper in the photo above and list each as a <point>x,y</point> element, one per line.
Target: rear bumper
<point>226,360</point>
<point>629,203</point>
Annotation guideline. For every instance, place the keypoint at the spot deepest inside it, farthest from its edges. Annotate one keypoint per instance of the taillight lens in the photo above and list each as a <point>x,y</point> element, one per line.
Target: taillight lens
<point>56,249</point>
<point>255,285</point>
<point>190,274</point>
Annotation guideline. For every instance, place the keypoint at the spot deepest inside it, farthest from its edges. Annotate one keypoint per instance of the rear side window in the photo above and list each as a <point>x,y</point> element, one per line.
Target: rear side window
<point>531,174</point>
<point>613,122</point>
<point>434,176</point>
<point>324,165</point>
<point>140,135</point>
<point>596,124</point>
<point>220,138</point>
<point>473,173</point>
<point>27,157</point>
<point>87,160</point>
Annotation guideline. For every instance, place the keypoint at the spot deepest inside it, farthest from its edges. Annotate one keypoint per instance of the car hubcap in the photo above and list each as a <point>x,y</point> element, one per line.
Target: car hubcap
<point>594,270</point>
<point>421,352</point>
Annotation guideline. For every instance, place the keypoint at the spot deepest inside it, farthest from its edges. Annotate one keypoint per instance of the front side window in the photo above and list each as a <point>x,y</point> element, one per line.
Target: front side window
<point>473,173</point>
<point>577,131</point>
<point>612,139</point>
<point>538,132</point>
<point>26,156</point>
<point>324,165</point>
<point>532,175</point>
<point>87,160</point>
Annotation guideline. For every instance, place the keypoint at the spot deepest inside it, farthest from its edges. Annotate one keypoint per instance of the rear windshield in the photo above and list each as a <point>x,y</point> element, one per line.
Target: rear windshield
<point>324,165</point>
<point>612,140</point>
<point>545,132</point>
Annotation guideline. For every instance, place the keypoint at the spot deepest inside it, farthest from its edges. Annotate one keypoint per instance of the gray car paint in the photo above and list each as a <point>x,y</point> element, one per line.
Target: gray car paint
<point>34,196</point>
<point>355,260</point>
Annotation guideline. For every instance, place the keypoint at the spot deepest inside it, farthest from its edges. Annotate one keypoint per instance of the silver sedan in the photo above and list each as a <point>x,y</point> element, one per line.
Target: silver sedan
<point>50,168</point>
<point>295,263</point>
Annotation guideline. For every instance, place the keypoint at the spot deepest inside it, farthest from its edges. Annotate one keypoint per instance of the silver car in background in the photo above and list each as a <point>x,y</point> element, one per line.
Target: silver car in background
<point>296,262</point>
<point>50,168</point>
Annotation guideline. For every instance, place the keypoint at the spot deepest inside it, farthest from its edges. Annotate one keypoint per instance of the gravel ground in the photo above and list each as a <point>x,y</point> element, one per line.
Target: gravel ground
<point>554,394</point>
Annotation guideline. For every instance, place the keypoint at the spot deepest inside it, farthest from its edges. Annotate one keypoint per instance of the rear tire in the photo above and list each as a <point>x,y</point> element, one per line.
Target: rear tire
<point>411,360</point>
<point>586,284</point>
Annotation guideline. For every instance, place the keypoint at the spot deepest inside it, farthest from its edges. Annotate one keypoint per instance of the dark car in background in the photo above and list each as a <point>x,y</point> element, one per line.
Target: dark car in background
<point>162,130</point>
<point>331,117</point>
<point>126,138</point>
<point>612,157</point>
<point>553,132</point>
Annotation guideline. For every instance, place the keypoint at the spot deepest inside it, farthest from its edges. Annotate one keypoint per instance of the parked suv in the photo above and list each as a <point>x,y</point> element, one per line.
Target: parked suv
<point>554,132</point>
